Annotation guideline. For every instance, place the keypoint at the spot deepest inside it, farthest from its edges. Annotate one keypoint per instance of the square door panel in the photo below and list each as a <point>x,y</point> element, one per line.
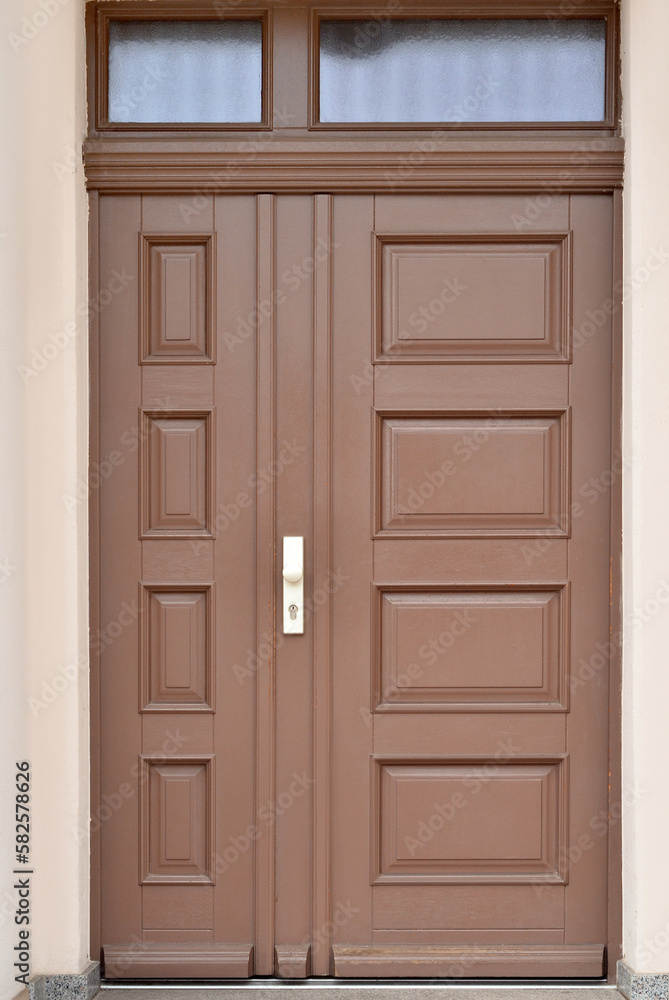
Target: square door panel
<point>177,668</point>
<point>177,299</point>
<point>177,470</point>
<point>471,650</point>
<point>469,474</point>
<point>473,299</point>
<point>470,821</point>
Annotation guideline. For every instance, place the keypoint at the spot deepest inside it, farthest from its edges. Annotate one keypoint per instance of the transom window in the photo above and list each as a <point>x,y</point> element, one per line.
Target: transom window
<point>218,65</point>
<point>185,71</point>
<point>443,70</point>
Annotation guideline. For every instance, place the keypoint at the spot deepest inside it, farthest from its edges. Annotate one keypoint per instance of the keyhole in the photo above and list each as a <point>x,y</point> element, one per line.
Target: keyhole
<point>292,611</point>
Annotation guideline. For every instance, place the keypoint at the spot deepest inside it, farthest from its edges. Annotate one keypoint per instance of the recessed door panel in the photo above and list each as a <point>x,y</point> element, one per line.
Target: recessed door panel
<point>464,821</point>
<point>177,286</point>
<point>504,474</point>
<point>473,300</point>
<point>480,648</point>
<point>177,649</point>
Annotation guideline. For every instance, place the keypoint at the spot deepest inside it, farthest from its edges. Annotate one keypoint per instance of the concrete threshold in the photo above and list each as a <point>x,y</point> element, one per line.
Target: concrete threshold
<point>335,990</point>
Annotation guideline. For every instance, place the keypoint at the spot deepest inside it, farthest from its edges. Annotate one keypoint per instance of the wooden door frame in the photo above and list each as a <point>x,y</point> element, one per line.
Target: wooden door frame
<point>525,181</point>
<point>538,166</point>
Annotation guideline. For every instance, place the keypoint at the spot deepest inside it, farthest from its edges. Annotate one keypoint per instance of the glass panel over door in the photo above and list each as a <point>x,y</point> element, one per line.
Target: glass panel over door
<point>443,70</point>
<point>185,71</point>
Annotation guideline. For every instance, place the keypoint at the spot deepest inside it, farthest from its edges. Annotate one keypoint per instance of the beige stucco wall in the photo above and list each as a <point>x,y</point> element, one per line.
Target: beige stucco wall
<point>43,414</point>
<point>13,731</point>
<point>646,488</point>
<point>43,453</point>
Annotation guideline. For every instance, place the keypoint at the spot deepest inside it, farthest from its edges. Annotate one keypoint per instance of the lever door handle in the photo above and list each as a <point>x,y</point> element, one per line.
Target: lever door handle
<point>293,585</point>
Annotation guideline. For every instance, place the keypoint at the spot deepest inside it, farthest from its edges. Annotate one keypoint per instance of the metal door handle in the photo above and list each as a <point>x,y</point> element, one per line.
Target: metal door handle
<point>293,585</point>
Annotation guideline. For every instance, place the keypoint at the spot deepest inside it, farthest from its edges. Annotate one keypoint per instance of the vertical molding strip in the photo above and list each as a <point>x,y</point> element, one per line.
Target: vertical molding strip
<point>322,565</point>
<point>615,884</point>
<point>265,570</point>
<point>95,555</point>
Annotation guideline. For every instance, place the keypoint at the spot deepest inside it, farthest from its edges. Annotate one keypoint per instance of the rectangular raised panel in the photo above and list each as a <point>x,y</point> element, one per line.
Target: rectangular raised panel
<point>178,472</point>
<point>177,649</point>
<point>177,299</point>
<point>473,650</point>
<point>499,473</point>
<point>177,820</point>
<point>476,299</point>
<point>502,820</point>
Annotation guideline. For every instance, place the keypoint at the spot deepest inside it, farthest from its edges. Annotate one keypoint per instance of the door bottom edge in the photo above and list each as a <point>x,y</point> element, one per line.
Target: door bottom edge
<point>174,961</point>
<point>456,962</point>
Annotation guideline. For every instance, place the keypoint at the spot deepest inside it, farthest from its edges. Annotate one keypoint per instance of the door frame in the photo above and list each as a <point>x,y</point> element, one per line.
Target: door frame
<point>266,584</point>
<point>491,163</point>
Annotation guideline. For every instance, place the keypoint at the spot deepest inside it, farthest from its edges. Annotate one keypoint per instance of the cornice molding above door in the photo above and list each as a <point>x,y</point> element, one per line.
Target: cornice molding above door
<point>308,165</point>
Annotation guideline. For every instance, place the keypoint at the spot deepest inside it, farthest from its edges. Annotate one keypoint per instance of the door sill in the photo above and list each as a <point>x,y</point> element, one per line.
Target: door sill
<point>317,983</point>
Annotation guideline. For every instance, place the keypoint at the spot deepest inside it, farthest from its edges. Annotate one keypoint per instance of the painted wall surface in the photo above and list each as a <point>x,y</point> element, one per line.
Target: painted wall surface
<point>43,452</point>
<point>43,479</point>
<point>646,486</point>
<point>13,729</point>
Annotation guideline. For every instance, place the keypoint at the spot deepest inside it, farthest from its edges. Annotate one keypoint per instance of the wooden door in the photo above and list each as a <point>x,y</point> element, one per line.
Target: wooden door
<point>418,785</point>
<point>469,761</point>
<point>182,557</point>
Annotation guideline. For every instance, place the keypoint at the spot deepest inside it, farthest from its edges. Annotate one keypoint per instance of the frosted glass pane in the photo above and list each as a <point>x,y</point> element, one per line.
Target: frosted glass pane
<point>185,71</point>
<point>408,70</point>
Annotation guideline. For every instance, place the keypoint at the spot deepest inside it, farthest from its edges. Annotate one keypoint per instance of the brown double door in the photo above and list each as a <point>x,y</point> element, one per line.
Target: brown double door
<point>421,388</point>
